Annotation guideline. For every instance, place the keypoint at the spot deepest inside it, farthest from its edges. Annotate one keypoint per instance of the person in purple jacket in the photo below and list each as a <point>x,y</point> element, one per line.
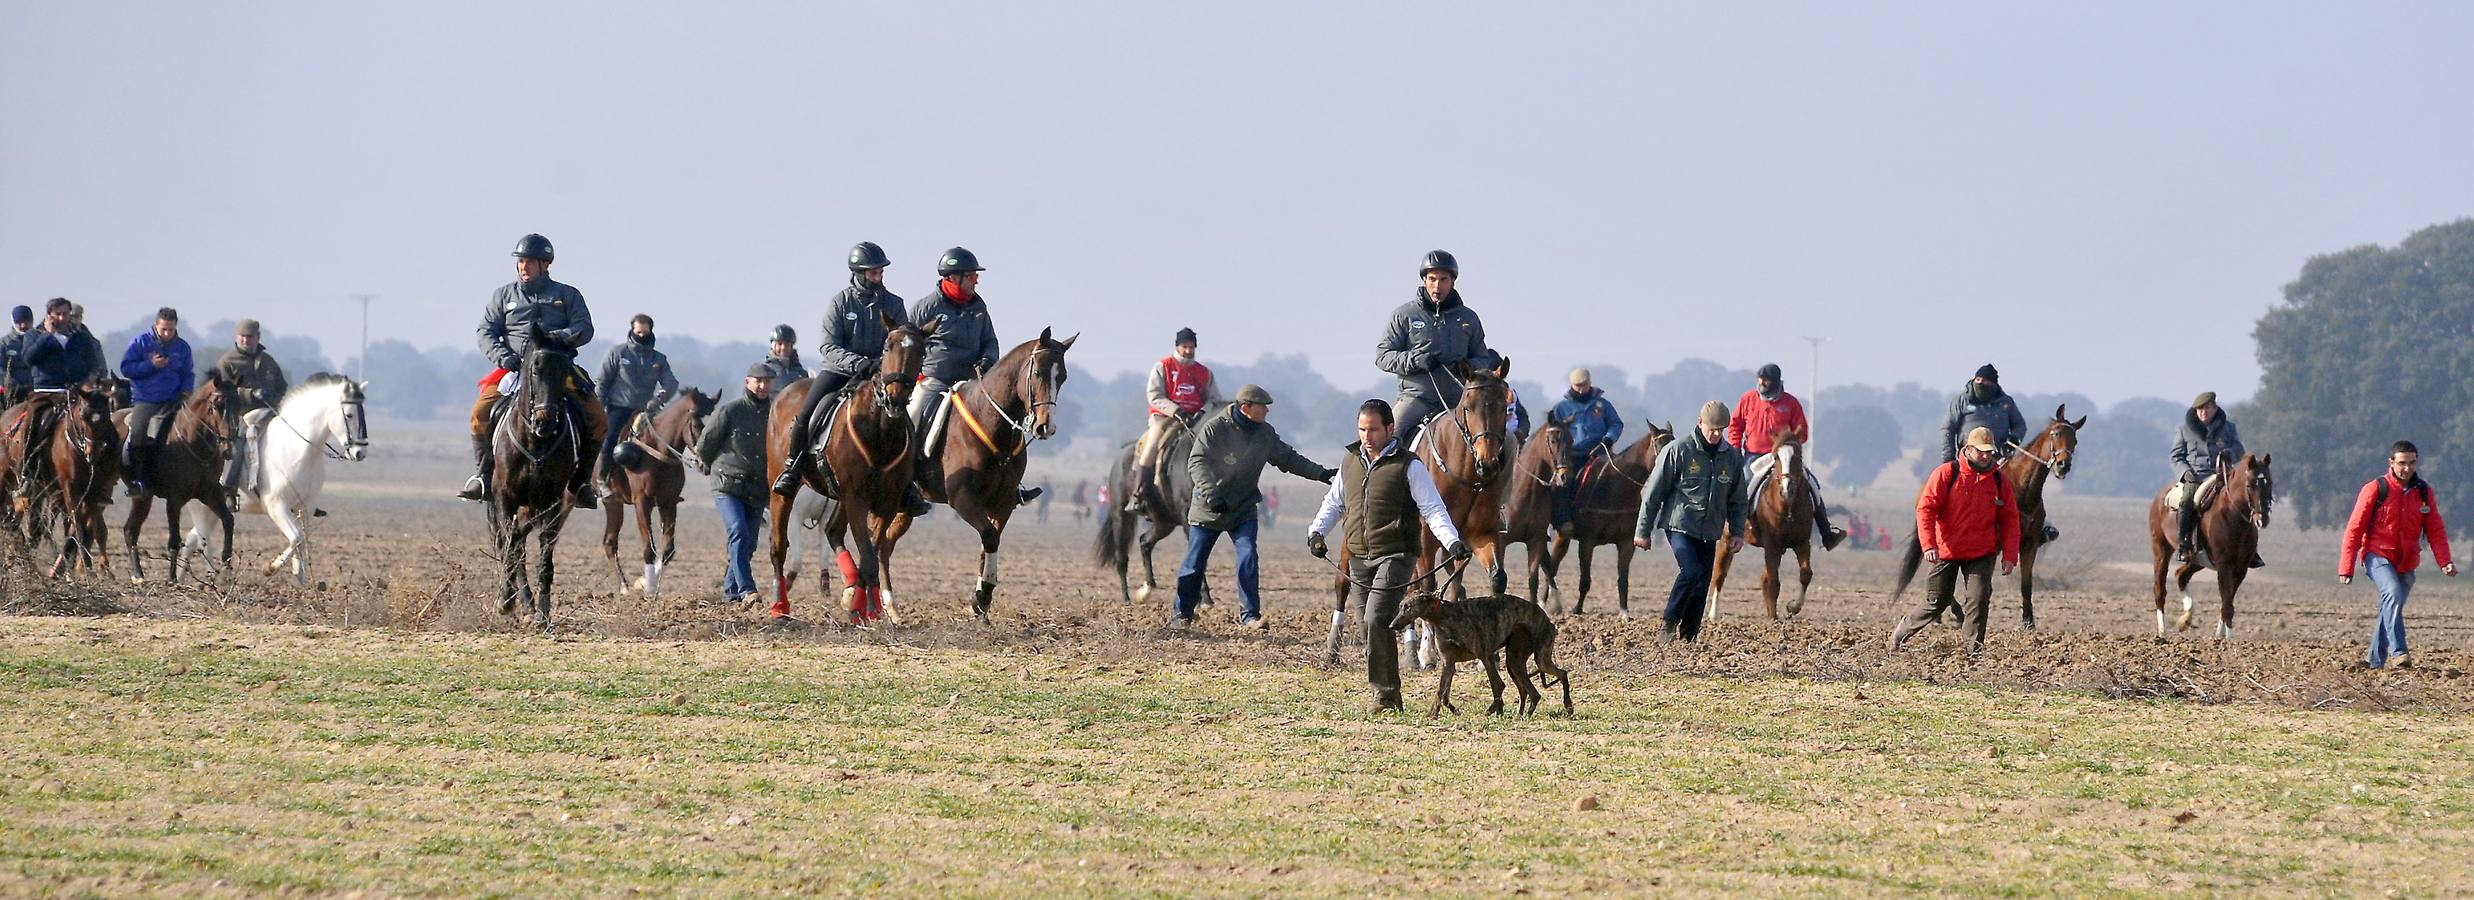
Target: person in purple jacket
<point>160,376</point>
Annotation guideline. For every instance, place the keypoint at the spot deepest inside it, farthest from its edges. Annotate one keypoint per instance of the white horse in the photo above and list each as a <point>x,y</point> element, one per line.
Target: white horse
<point>289,454</point>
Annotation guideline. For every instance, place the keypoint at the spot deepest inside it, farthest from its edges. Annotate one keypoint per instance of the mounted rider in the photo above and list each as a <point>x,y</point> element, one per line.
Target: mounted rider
<point>635,378</point>
<point>1594,426</point>
<point>1760,415</point>
<point>854,346</point>
<point>782,354</point>
<point>1424,338</point>
<point>2205,442</point>
<point>161,374</point>
<point>1178,391</point>
<point>516,311</point>
<point>14,376</point>
<point>60,356</point>
<point>258,388</point>
<point>963,347</point>
<point>1983,404</point>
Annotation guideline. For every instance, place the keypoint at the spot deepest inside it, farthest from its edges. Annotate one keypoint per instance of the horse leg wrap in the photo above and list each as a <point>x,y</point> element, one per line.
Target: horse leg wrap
<point>987,570</point>
<point>849,567</point>
<point>781,608</point>
<point>652,578</point>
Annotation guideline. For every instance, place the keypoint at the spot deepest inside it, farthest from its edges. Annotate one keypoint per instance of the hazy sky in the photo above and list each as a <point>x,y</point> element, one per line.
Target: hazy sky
<point>2098,198</point>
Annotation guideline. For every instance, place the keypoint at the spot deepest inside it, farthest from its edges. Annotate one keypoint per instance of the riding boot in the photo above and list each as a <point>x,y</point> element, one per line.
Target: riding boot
<point>478,486</point>
<point>133,466</point>
<point>2186,526</point>
<point>1830,534</point>
<point>1142,489</point>
<point>915,504</point>
<point>787,483</point>
<point>1026,495</point>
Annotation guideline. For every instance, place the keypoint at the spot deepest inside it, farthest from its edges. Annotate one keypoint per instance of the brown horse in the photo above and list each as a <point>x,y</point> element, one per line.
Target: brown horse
<point>1466,449</point>
<point>188,467</point>
<point>986,443</point>
<point>536,444</point>
<point>2048,455</point>
<point>2228,539</point>
<point>1605,508</point>
<point>1781,520</point>
<point>85,462</point>
<point>654,485</point>
<point>1541,469</point>
<point>866,465</point>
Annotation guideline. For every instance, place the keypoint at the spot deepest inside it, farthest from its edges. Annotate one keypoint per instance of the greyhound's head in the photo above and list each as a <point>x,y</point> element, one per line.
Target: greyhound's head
<point>1421,605</point>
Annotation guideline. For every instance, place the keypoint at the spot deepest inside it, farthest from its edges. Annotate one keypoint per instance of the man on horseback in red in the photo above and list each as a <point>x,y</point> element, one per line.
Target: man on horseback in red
<point>2206,439</point>
<point>1179,390</point>
<point>535,304</point>
<point>1425,337</point>
<point>1763,413</point>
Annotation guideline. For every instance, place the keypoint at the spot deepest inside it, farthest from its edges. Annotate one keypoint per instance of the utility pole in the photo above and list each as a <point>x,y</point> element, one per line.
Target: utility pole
<point>360,366</point>
<point>1812,407</point>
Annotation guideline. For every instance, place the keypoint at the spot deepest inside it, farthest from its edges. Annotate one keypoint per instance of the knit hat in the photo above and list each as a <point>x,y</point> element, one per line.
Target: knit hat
<point>1714,414</point>
<point>1981,439</point>
<point>2204,400</point>
<point>1771,372</point>
<point>22,313</point>
<point>1988,373</point>
<point>1185,336</point>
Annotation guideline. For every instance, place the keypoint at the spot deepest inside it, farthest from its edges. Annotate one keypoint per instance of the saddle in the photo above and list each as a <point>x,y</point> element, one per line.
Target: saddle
<point>827,413</point>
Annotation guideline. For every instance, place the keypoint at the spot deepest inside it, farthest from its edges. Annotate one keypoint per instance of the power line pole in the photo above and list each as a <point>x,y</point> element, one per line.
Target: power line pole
<point>1812,415</point>
<point>360,367</point>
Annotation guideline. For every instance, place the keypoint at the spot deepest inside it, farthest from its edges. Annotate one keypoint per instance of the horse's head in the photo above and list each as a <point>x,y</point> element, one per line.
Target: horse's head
<point>2250,484</point>
<point>693,405</point>
<point>1787,455</point>
<point>1044,379</point>
<point>1657,439</point>
<point>537,396</point>
<point>1421,605</point>
<point>1483,414</point>
<point>906,350</point>
<point>2059,442</point>
<point>86,421</point>
<point>1553,442</point>
<point>210,408</point>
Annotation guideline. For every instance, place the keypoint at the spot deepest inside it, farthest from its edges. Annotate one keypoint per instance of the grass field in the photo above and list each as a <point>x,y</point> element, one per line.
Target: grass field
<point>185,757</point>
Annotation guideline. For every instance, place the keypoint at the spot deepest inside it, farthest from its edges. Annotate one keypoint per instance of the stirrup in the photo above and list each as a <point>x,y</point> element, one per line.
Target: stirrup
<point>584,499</point>
<point>786,484</point>
<point>475,488</point>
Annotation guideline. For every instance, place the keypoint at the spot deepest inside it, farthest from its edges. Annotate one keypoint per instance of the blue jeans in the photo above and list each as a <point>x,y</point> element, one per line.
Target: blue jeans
<point>1198,541</point>
<point>2388,634</point>
<point>1694,560</point>
<point>741,518</point>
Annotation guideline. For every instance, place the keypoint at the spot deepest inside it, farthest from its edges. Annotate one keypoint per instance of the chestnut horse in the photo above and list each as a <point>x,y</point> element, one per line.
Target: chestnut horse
<point>657,484</point>
<point>2048,455</point>
<point>866,462</point>
<point>188,467</point>
<point>1466,449</point>
<point>1781,520</point>
<point>1605,508</point>
<point>84,456</point>
<point>536,443</point>
<point>2228,538</point>
<point>1541,469</point>
<point>985,447</point>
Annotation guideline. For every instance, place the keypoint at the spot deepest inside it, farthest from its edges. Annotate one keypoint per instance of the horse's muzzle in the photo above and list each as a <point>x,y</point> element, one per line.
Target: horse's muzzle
<point>356,453</point>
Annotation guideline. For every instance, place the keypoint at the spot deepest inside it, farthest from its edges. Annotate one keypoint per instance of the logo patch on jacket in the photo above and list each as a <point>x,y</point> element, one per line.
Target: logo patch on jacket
<point>1417,323</point>
<point>851,316</point>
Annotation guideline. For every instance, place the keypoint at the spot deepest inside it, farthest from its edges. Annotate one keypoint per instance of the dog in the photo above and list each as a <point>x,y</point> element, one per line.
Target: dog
<point>1477,629</point>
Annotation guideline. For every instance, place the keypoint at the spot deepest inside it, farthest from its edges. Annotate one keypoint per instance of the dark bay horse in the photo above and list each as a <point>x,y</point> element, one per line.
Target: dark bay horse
<point>1163,514</point>
<point>986,443</point>
<point>85,462</point>
<point>188,467</point>
<point>536,443</point>
<point>1606,506</point>
<point>1541,468</point>
<point>1781,520</point>
<point>1468,450</point>
<point>2048,455</point>
<point>655,485</point>
<point>2228,535</point>
<point>865,469</point>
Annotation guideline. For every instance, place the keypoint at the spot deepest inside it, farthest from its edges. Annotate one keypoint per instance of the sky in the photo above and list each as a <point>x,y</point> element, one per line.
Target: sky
<point>2096,197</point>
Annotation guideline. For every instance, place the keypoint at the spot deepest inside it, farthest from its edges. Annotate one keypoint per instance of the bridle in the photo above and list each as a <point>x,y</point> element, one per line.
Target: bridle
<point>1027,424</point>
<point>356,426</point>
<point>2060,463</point>
<point>1459,415</point>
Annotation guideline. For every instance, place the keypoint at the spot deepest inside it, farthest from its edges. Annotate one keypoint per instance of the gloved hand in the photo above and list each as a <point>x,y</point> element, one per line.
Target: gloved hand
<point>1459,551</point>
<point>1328,475</point>
<point>1316,545</point>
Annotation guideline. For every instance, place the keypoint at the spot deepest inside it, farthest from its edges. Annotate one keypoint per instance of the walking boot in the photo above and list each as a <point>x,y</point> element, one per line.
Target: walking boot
<point>478,486</point>
<point>787,483</point>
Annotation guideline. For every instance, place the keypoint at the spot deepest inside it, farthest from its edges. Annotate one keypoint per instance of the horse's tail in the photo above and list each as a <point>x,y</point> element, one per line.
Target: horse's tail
<point>1910,558</point>
<point>1109,549</point>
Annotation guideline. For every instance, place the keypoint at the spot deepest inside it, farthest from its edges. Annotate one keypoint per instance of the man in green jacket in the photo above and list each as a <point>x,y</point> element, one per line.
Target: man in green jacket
<point>1383,495</point>
<point>1230,449</point>
<point>733,452</point>
<point>1696,495</point>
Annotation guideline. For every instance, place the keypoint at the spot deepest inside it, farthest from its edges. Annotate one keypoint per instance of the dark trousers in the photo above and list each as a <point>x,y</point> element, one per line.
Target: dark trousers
<point>1198,541</point>
<point>1410,412</point>
<point>620,418</point>
<point>1689,598</point>
<point>1376,584</point>
<point>819,386</point>
<point>137,453</point>
<point>1940,589</point>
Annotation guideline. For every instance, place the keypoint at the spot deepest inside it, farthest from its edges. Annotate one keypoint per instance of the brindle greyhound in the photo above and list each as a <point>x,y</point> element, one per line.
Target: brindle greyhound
<point>1481,627</point>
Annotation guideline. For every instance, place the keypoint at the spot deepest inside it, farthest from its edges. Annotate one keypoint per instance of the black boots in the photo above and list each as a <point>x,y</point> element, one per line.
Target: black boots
<point>2186,529</point>
<point>478,486</point>
<point>1137,489</point>
<point>786,484</point>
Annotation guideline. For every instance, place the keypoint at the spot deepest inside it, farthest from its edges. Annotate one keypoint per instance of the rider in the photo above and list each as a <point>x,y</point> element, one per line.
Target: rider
<point>14,377</point>
<point>1425,336</point>
<point>557,310</point>
<point>2207,437</point>
<point>784,356</point>
<point>964,345</point>
<point>1759,415</point>
<point>854,346</point>
<point>1982,404</point>
<point>1594,425</point>
<point>258,383</point>
<point>1179,390</point>
<point>60,357</point>
<point>160,375</point>
<point>634,378</point>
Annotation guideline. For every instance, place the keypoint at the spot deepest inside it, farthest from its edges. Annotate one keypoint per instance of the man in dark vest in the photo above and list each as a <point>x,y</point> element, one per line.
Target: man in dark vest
<point>1383,493</point>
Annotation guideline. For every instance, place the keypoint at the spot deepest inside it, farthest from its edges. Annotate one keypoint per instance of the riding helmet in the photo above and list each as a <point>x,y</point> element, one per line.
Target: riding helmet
<point>784,334</point>
<point>866,255</point>
<point>957,261</point>
<point>534,246</point>
<point>1439,259</point>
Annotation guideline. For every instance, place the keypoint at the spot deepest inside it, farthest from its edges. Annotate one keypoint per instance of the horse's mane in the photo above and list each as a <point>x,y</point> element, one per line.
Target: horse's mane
<point>193,414</point>
<point>322,379</point>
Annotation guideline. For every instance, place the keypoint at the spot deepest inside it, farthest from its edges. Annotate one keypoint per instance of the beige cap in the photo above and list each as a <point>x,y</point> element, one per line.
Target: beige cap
<point>248,327</point>
<point>2204,400</point>
<point>1254,393</point>
<point>1580,377</point>
<point>1714,414</point>
<point>1981,439</point>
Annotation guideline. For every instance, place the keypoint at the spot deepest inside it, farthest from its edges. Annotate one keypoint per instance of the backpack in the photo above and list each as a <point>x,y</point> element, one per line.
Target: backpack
<point>2381,497</point>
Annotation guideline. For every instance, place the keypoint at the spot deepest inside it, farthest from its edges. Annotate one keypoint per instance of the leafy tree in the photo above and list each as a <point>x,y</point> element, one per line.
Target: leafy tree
<point>1858,442</point>
<point>403,382</point>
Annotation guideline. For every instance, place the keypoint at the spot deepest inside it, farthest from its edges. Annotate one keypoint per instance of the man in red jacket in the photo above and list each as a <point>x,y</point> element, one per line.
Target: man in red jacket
<point>1965,515</point>
<point>2392,518</point>
<point>1765,411</point>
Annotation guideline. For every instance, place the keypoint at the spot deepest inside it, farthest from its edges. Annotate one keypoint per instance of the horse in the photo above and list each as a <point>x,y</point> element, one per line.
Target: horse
<point>1605,509</point>
<point>656,483</point>
<point>1465,448</point>
<point>2048,455</point>
<point>2228,537</point>
<point>1780,520</point>
<point>866,465</point>
<point>294,443</point>
<point>188,467</point>
<point>1541,467</point>
<point>85,463</point>
<point>1164,511</point>
<point>984,446</point>
<point>535,446</point>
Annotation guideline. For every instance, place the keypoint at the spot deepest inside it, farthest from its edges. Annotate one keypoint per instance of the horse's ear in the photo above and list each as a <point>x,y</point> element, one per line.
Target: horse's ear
<point>2059,414</point>
<point>1503,369</point>
<point>930,328</point>
<point>2082,423</point>
<point>1068,344</point>
<point>886,319</point>
<point>2263,458</point>
<point>1045,336</point>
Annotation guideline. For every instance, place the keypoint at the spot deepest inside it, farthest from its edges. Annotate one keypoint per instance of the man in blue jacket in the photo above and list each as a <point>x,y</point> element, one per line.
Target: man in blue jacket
<point>160,376</point>
<point>59,357</point>
<point>1594,426</point>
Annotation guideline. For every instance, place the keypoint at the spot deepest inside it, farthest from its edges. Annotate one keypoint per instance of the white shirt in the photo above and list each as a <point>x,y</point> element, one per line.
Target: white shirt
<point>1421,489</point>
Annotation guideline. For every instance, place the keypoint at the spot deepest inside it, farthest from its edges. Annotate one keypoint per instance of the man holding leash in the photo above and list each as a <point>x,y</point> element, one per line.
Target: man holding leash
<point>1382,495</point>
<point>2393,516</point>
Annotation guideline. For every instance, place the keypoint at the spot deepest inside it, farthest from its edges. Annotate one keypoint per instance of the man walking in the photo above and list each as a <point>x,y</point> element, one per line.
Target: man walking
<point>2393,516</point>
<point>1965,515</point>
<point>1178,392</point>
<point>1423,340</point>
<point>1383,493</point>
<point>732,451</point>
<point>634,378</point>
<point>1230,450</point>
<point>1761,415</point>
<point>1696,495</point>
<point>160,375</point>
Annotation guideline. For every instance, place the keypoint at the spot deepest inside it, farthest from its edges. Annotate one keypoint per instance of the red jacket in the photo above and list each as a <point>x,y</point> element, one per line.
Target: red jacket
<point>1969,516</point>
<point>1186,383</point>
<point>2396,533</point>
<point>1755,420</point>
